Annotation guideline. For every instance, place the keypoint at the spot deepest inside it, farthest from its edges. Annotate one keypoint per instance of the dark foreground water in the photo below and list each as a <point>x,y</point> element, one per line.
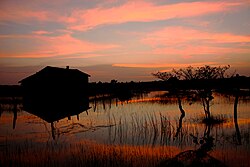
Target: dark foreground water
<point>146,127</point>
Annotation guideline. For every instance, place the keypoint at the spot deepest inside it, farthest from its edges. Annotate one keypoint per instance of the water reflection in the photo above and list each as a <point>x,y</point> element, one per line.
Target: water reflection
<point>148,120</point>
<point>236,101</point>
<point>15,112</point>
<point>54,108</point>
<point>197,157</point>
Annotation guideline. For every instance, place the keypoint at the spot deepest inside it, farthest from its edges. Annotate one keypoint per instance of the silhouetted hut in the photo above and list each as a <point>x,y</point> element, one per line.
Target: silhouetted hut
<point>56,81</point>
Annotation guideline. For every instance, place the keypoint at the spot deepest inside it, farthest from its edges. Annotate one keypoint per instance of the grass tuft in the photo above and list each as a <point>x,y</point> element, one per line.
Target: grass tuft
<point>214,120</point>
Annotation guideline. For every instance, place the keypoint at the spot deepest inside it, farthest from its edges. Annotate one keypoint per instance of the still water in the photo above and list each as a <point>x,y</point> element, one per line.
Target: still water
<point>145,120</point>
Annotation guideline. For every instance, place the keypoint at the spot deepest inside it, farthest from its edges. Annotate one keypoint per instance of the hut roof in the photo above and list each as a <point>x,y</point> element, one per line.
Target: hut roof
<point>49,72</point>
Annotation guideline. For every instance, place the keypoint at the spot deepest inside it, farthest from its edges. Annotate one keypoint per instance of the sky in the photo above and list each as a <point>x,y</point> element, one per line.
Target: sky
<point>127,40</point>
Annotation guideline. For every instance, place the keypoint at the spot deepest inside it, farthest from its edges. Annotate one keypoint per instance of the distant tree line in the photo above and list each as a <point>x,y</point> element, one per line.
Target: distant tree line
<point>183,78</point>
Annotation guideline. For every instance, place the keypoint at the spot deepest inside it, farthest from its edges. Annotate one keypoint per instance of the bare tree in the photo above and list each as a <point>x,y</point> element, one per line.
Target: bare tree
<point>208,72</point>
<point>199,73</point>
<point>190,73</point>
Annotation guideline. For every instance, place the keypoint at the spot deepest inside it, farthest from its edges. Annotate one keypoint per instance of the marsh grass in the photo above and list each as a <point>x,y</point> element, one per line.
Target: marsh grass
<point>134,140</point>
<point>140,130</point>
<point>149,129</point>
<point>85,154</point>
<point>152,138</point>
<point>143,132</point>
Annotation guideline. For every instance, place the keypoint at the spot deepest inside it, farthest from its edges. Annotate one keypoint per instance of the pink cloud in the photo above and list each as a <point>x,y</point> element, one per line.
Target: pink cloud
<point>26,12</point>
<point>66,44</point>
<point>186,41</point>
<point>41,32</point>
<point>83,20</point>
<point>55,46</point>
<point>175,35</point>
<point>20,15</point>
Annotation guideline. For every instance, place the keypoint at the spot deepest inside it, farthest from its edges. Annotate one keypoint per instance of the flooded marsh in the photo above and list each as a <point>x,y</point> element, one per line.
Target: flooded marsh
<point>148,127</point>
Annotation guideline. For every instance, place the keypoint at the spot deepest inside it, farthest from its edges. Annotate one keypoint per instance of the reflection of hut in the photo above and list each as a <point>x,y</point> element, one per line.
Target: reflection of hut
<point>52,111</point>
<point>56,81</point>
<point>55,93</point>
<point>53,108</point>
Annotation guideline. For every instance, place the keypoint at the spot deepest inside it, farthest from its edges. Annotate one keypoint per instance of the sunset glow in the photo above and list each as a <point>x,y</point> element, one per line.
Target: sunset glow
<point>123,40</point>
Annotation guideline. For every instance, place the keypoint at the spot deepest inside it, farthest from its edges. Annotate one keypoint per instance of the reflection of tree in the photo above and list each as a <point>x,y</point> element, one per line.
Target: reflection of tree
<point>236,93</point>
<point>180,106</point>
<point>174,91</point>
<point>12,105</point>
<point>207,142</point>
<point>1,110</point>
<point>53,130</point>
<point>198,157</point>
<point>236,117</point>
<point>14,112</point>
<point>206,97</point>
<point>181,117</point>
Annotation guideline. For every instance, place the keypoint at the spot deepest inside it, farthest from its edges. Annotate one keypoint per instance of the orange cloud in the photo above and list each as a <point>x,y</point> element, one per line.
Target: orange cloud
<point>172,65</point>
<point>83,20</point>
<point>187,51</point>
